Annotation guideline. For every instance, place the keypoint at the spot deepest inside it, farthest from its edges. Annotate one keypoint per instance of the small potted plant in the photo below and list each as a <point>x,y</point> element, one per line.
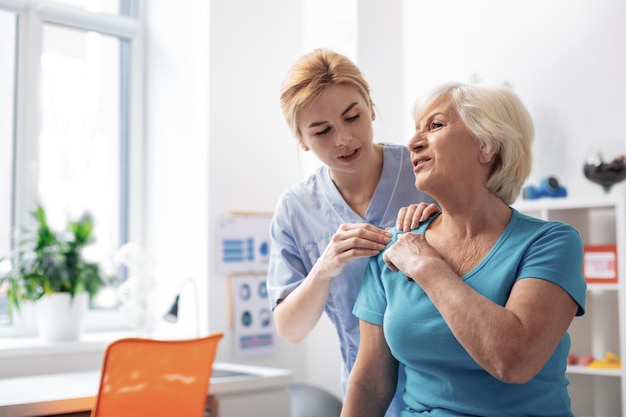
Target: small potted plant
<point>48,267</point>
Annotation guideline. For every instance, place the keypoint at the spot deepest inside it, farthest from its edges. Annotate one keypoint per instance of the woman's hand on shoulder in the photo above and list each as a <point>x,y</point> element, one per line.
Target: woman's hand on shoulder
<point>351,241</point>
<point>412,254</point>
<point>410,217</point>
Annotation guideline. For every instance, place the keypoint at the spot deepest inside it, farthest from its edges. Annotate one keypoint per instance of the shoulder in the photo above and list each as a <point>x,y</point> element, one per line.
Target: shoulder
<point>398,175</point>
<point>394,150</point>
<point>306,192</point>
<point>397,158</point>
<point>552,251</point>
<point>543,226</point>
<point>553,240</point>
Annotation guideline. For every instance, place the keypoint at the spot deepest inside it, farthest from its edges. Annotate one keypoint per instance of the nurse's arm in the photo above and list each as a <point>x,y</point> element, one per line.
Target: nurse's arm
<point>298,313</point>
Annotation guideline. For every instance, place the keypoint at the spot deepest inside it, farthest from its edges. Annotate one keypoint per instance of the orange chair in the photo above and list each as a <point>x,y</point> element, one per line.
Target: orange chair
<point>156,378</point>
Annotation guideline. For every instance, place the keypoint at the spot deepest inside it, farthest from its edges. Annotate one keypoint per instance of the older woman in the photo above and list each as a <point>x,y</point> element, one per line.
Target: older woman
<point>476,301</point>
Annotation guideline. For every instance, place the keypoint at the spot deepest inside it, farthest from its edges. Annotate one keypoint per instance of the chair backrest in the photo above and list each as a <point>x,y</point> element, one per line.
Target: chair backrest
<point>311,401</point>
<point>147,377</point>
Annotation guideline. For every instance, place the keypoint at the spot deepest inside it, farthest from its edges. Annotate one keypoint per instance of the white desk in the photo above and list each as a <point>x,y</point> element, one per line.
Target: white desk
<point>238,389</point>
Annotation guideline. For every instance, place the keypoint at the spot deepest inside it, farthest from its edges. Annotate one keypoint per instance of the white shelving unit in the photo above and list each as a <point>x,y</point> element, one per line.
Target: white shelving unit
<point>595,392</point>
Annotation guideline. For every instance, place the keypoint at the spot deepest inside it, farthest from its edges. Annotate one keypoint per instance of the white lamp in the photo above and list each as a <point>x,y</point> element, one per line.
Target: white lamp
<point>171,315</point>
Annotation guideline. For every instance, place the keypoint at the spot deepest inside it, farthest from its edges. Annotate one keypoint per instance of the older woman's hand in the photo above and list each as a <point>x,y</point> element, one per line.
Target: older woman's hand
<point>411,254</point>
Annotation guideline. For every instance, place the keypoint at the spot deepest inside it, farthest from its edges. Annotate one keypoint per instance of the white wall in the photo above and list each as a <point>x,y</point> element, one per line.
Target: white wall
<point>177,130</point>
<point>564,58</point>
<point>217,141</point>
<point>252,156</point>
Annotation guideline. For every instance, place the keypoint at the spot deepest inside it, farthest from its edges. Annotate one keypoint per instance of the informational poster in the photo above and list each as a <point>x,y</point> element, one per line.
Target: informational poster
<point>243,242</point>
<point>255,333</point>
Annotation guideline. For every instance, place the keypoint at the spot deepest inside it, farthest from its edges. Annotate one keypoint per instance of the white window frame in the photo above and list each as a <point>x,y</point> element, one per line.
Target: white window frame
<point>32,16</point>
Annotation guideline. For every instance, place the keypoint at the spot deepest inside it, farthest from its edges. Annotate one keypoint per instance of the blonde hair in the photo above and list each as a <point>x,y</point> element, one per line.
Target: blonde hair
<point>310,75</point>
<point>498,120</point>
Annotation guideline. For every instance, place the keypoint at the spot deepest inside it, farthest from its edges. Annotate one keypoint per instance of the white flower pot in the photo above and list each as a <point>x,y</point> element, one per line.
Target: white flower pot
<point>24,319</point>
<point>60,317</point>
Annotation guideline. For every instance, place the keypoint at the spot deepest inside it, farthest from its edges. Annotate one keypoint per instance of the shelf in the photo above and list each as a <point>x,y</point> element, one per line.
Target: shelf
<point>610,200</point>
<point>583,370</point>
<point>602,287</point>
<point>599,220</point>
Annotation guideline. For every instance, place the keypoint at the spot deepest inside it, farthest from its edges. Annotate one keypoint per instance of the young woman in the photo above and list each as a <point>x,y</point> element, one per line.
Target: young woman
<point>327,226</point>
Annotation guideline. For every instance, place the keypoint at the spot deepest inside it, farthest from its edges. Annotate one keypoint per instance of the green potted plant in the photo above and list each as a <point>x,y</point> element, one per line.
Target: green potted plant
<point>47,262</point>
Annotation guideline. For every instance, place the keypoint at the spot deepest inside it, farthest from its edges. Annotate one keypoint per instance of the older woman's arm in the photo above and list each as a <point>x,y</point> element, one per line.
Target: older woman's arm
<point>373,379</point>
<point>511,342</point>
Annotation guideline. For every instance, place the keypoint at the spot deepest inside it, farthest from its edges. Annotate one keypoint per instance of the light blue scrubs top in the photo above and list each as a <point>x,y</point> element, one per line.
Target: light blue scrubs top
<point>306,217</point>
<point>442,379</point>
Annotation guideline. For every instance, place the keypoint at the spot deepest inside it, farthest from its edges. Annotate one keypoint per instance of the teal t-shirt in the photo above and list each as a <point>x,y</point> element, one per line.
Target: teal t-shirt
<point>442,379</point>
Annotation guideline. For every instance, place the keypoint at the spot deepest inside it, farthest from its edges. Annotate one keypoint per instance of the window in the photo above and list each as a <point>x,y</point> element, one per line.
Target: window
<point>80,141</point>
<point>69,119</point>
<point>8,25</point>
<point>102,6</point>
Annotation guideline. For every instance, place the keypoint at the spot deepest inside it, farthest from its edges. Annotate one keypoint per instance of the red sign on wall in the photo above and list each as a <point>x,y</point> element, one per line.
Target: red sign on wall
<point>600,264</point>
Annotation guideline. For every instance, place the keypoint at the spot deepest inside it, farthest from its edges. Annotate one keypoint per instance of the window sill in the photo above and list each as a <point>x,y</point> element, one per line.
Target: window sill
<point>31,355</point>
<point>31,346</point>
<point>25,356</point>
